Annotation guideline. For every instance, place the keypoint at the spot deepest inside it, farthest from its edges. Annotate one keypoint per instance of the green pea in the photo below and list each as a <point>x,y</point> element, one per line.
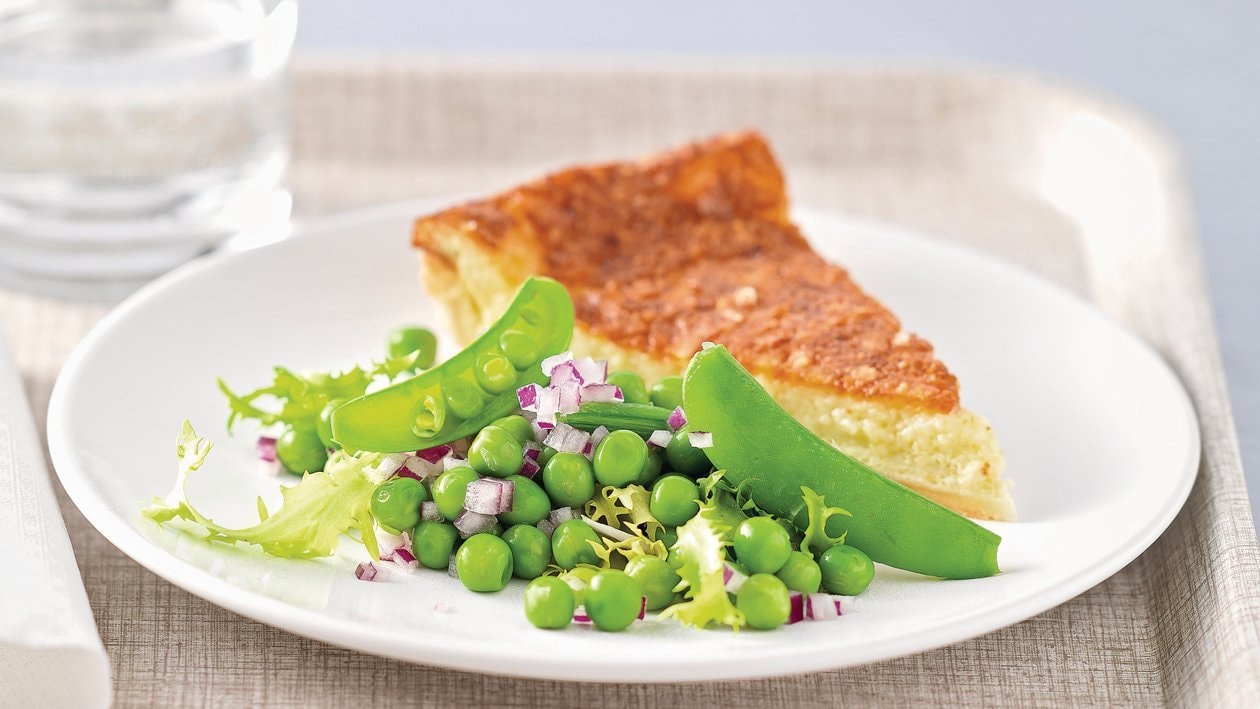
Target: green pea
<point>495,452</point>
<point>613,600</point>
<point>463,398</point>
<point>764,601</point>
<point>449,489</point>
<point>396,503</point>
<point>531,551</point>
<point>519,347</point>
<point>529,503</point>
<point>433,543</point>
<point>668,535</point>
<point>428,416</point>
<point>300,450</point>
<point>801,573</point>
<point>656,577</point>
<point>323,427</point>
<point>495,373</point>
<point>545,457</point>
<point>405,340</point>
<point>484,563</point>
<point>685,458</point>
<point>846,570</point>
<point>633,391</point>
<point>667,393</point>
<point>651,469</point>
<point>619,458</point>
<point>762,545</point>
<point>549,603</point>
<point>518,426</point>
<point>579,578</point>
<point>674,500</point>
<point>571,544</point>
<point>569,480</point>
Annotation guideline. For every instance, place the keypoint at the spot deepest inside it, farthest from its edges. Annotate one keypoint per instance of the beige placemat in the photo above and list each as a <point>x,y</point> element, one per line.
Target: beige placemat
<point>995,162</point>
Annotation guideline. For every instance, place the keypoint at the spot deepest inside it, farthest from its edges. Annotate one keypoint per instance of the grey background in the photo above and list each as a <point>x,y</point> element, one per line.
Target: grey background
<point>1194,67</point>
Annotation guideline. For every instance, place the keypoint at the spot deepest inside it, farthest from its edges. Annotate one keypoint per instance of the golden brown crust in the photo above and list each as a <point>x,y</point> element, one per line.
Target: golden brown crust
<point>695,245</point>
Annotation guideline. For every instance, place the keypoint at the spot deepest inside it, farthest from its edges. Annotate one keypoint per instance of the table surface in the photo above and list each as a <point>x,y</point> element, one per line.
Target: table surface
<point>1192,65</point>
<point>947,154</point>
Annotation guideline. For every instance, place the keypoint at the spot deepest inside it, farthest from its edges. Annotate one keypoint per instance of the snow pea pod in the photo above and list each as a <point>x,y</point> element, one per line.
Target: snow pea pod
<point>761,446</point>
<point>468,391</point>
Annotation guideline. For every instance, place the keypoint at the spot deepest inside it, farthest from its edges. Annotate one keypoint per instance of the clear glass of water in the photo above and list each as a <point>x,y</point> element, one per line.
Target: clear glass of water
<point>137,134</point>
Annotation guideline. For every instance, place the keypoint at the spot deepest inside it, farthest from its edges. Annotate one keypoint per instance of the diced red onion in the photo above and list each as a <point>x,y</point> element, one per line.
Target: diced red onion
<point>272,467</point>
<point>267,449</point>
<point>567,439</point>
<point>588,449</point>
<point>390,464</point>
<point>532,450</point>
<point>434,454</point>
<point>565,374</point>
<point>529,468</point>
<point>677,419</point>
<point>541,431</point>
<point>700,439</point>
<point>547,526</point>
<point>643,608</point>
<point>660,439</point>
<point>592,371</point>
<point>820,606</point>
<point>550,363</point>
<point>459,446</point>
<point>601,393</point>
<point>470,523</point>
<point>453,462</point>
<point>450,568</point>
<point>429,511</point>
<point>598,435</point>
<point>386,543</point>
<point>527,397</point>
<point>733,578</point>
<point>405,472</point>
<point>418,468</point>
<point>580,616</point>
<point>563,514</point>
<point>365,571</point>
<point>548,406</point>
<point>404,558</point>
<point>796,607</point>
<point>570,397</point>
<point>489,496</point>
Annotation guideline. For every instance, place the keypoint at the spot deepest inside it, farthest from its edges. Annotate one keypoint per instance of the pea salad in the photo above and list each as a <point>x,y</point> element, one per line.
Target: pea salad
<point>697,499</point>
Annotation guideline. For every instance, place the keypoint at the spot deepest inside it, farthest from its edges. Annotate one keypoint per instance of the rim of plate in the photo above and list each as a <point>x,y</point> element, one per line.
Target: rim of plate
<point>491,659</point>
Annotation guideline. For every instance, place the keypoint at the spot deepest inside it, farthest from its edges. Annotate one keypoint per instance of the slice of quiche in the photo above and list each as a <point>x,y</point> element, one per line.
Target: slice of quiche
<point>695,245</point>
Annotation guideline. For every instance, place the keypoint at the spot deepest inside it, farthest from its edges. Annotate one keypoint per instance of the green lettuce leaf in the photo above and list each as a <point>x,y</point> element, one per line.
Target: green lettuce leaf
<point>816,539</point>
<point>313,514</point>
<point>701,547</point>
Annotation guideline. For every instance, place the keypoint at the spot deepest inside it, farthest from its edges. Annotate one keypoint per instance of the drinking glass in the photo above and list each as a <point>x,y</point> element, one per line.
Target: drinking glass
<point>136,134</point>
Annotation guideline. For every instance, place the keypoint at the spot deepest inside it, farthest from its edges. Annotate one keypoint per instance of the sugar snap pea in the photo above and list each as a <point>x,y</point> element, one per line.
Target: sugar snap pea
<point>465,393</point>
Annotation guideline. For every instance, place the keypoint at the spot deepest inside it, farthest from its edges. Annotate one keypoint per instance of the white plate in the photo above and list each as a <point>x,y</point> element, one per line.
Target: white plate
<point>1101,442</point>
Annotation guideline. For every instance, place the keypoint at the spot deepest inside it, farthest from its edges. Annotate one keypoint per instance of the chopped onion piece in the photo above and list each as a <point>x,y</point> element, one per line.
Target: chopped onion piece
<point>592,371</point>
<point>532,450</point>
<point>549,364</point>
<point>643,608</point>
<point>365,571</point>
<point>459,446</point>
<point>434,454</point>
<point>540,431</point>
<point>386,543</point>
<point>418,468</point>
<point>569,397</point>
<point>700,439</point>
<point>796,605</point>
<point>612,533</point>
<point>470,523</point>
<point>563,514</point>
<point>453,462</point>
<point>404,558</point>
<point>820,606</point>
<point>267,449</point>
<point>599,434</point>
<point>529,468</point>
<point>567,439</point>
<point>548,407</point>
<point>677,419</point>
<point>601,393</point>
<point>450,568</point>
<point>733,578</point>
<point>547,526</point>
<point>660,438</point>
<point>527,397</point>
<point>566,374</point>
<point>429,511</point>
<point>489,496</point>
<point>272,467</point>
<point>580,616</point>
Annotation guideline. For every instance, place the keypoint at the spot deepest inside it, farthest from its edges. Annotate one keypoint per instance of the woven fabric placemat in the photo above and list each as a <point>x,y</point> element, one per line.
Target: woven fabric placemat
<point>983,159</point>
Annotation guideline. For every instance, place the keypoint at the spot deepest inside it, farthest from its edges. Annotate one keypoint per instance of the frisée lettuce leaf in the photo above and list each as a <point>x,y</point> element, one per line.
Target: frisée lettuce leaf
<point>701,547</point>
<point>311,518</point>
